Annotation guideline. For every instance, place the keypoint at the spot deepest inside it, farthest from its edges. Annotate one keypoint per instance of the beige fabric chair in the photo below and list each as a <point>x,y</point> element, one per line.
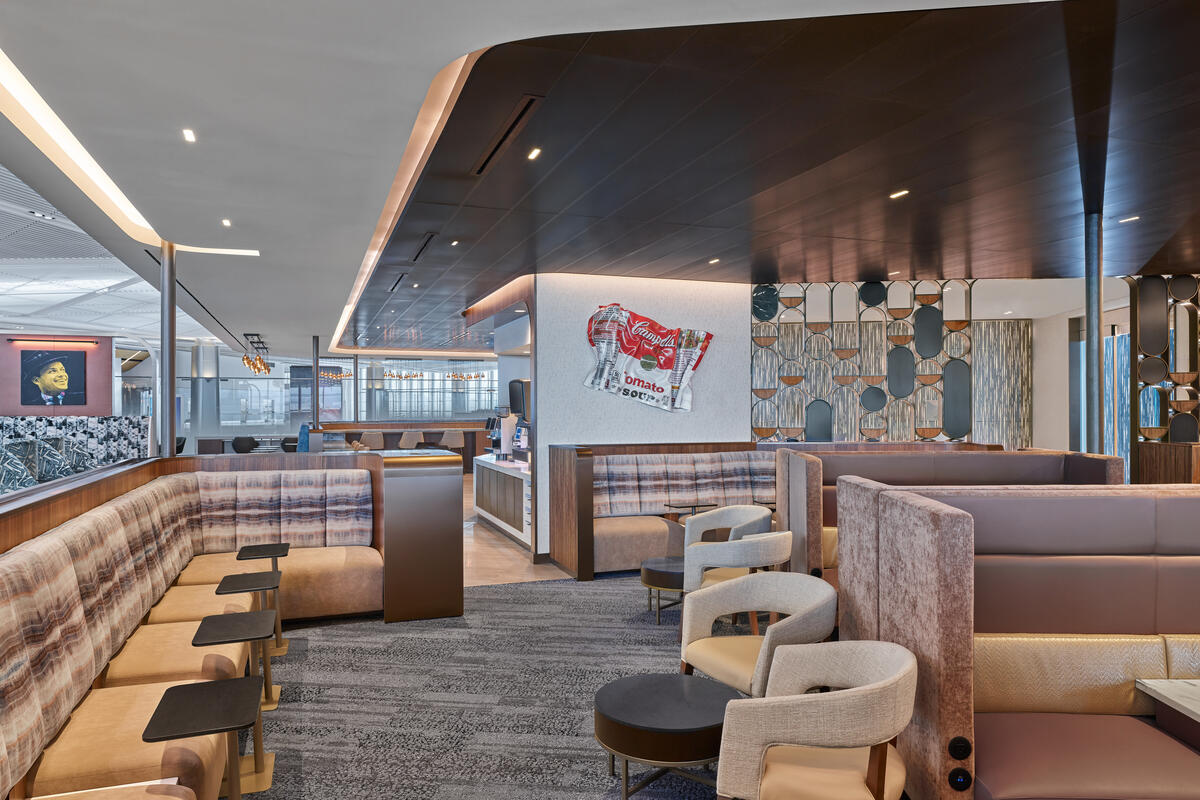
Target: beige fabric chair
<point>791,745</point>
<point>410,440</point>
<point>732,559</point>
<point>744,662</point>
<point>452,440</point>
<point>741,521</point>
<point>372,440</point>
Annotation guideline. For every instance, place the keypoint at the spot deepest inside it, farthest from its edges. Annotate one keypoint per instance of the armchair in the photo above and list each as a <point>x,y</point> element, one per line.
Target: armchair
<point>741,521</point>
<point>726,561</point>
<point>793,745</point>
<point>744,662</point>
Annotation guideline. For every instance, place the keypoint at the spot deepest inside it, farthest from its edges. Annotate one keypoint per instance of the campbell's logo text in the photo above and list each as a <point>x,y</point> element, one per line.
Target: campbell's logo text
<point>641,384</point>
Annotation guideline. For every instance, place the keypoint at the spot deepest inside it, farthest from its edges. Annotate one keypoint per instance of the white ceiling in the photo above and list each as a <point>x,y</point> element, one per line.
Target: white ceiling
<point>56,278</point>
<point>302,111</point>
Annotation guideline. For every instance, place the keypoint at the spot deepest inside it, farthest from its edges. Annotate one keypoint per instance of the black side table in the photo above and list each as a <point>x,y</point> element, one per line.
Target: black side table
<point>255,627</point>
<point>201,709</point>
<point>667,721</point>
<point>662,574</point>
<point>274,552</point>
<point>260,583</point>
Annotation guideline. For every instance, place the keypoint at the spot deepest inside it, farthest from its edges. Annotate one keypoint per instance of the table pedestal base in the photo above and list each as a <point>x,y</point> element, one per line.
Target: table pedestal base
<point>650,777</point>
<point>253,781</point>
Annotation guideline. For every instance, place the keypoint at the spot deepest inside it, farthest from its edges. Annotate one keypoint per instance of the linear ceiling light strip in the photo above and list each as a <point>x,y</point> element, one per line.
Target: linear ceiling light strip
<point>32,115</point>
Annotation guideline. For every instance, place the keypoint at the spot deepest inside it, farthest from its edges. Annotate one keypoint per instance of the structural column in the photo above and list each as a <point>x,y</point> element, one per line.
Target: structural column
<point>355,383</point>
<point>166,362</point>
<point>316,385</point>
<point>1093,371</point>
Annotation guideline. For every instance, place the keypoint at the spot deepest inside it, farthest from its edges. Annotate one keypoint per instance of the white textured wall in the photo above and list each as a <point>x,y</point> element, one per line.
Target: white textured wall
<point>570,413</point>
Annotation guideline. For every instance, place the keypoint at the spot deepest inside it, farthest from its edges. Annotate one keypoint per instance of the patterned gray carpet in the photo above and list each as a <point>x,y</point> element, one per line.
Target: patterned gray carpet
<point>496,704</point>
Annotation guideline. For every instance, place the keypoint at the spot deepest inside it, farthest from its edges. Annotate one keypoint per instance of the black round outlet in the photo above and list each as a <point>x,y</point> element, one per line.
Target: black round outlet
<point>960,748</point>
<point>960,779</point>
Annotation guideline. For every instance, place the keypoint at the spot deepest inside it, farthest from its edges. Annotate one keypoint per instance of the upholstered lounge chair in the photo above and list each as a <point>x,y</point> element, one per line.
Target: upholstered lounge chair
<point>722,564</point>
<point>744,662</point>
<point>795,745</point>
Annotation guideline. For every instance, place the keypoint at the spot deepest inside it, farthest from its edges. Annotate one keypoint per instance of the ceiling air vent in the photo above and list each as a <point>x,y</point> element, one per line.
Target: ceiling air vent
<point>425,240</point>
<point>397,283</point>
<point>508,131</point>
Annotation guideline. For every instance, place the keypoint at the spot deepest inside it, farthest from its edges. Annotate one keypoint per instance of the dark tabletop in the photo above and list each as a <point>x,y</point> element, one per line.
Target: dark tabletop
<point>665,703</point>
<point>691,505</point>
<point>198,709</point>
<point>663,572</point>
<point>252,551</point>
<point>249,582</point>
<point>246,626</point>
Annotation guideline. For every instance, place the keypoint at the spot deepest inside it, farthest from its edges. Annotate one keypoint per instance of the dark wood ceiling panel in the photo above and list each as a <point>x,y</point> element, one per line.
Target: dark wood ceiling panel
<point>772,148</point>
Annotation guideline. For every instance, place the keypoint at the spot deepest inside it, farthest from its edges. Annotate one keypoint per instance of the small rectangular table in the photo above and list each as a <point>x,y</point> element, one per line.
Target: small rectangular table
<point>254,627</point>
<point>693,506</point>
<point>1176,706</point>
<point>274,551</point>
<point>260,582</point>
<point>201,709</point>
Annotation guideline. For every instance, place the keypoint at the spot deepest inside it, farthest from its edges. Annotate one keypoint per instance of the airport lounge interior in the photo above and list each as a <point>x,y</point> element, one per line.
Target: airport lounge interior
<point>497,401</point>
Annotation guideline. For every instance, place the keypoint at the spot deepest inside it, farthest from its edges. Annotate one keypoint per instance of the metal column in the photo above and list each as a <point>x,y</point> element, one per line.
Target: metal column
<point>316,384</point>
<point>1093,348</point>
<point>166,362</point>
<point>356,388</point>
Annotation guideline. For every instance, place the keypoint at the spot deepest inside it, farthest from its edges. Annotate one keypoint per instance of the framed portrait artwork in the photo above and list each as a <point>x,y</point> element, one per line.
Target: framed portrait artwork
<point>53,378</point>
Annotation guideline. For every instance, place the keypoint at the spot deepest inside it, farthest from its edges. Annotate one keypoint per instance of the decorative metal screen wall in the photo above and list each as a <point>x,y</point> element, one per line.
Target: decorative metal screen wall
<point>873,361</point>
<point>1163,367</point>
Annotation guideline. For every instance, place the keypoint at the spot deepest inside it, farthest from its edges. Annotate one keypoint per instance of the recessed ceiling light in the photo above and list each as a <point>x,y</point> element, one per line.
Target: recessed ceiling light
<point>454,243</point>
<point>227,223</point>
<point>534,153</point>
<point>713,260</point>
<point>416,286</point>
<point>898,194</point>
<point>890,274</point>
<point>393,311</point>
<point>1007,312</point>
<point>189,135</point>
<point>40,215</point>
<point>1129,219</point>
<point>520,311</point>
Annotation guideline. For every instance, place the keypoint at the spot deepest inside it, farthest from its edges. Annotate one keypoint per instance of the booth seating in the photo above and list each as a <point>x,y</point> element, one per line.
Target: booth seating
<point>94,624</point>
<point>1032,611</point>
<point>808,484</point>
<point>630,495</point>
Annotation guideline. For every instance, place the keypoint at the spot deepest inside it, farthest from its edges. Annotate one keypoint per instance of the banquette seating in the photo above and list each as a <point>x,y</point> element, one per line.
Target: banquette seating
<point>97,616</point>
<point>1032,611</point>
<point>630,493</point>
<point>808,484</point>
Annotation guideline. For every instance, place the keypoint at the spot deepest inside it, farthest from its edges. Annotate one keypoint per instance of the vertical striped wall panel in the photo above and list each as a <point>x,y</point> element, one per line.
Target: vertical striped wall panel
<point>1002,382</point>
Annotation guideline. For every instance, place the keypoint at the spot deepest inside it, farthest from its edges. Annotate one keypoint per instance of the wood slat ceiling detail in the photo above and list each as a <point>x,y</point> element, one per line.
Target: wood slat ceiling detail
<point>773,147</point>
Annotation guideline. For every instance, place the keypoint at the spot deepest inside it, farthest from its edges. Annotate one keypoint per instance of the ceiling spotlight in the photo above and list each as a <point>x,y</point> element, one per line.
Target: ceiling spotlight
<point>713,260</point>
<point>1129,219</point>
<point>189,135</point>
<point>227,223</point>
<point>898,195</point>
<point>534,153</point>
<point>393,311</point>
<point>416,286</point>
<point>890,274</point>
<point>1006,313</point>
<point>454,243</point>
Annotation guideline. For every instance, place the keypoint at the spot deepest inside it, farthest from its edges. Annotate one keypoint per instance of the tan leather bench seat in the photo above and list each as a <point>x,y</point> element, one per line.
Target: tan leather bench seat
<point>158,653</point>
<point>625,542</point>
<point>116,718</point>
<point>316,582</point>
<point>155,791</point>
<point>194,603</point>
<point>728,659</point>
<point>1022,756</point>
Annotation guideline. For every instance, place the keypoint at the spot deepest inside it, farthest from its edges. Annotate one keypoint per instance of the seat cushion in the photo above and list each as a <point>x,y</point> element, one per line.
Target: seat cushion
<point>829,541</point>
<point>194,603</point>
<point>212,567</point>
<point>331,581</point>
<point>820,773</point>
<point>101,745</point>
<point>1080,756</point>
<point>154,791</point>
<point>625,542</point>
<point>728,659</point>
<point>722,574</point>
<point>159,653</point>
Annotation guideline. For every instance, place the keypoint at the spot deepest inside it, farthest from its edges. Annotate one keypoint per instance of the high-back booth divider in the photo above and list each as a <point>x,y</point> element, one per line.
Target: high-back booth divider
<point>30,512</point>
<point>1031,610</point>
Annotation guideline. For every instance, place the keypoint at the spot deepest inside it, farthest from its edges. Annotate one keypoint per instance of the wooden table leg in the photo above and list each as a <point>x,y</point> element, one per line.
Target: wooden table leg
<point>233,767</point>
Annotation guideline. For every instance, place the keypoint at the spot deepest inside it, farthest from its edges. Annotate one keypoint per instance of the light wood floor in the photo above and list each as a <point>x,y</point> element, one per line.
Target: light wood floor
<point>490,557</point>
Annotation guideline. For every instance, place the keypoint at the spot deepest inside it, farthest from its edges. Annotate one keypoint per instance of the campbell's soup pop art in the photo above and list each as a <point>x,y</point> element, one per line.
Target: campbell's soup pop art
<point>640,359</point>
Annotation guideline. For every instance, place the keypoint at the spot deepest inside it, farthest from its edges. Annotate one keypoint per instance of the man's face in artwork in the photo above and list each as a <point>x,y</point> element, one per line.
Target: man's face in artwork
<point>52,379</point>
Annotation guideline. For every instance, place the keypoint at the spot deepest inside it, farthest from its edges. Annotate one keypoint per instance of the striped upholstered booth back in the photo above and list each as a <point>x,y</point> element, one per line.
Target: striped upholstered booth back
<point>71,597</point>
<point>634,485</point>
